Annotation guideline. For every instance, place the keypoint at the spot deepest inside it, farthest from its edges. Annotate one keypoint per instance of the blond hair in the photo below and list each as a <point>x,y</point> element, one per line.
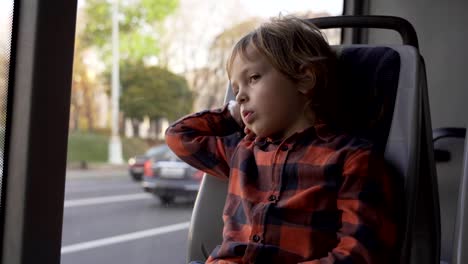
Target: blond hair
<point>289,43</point>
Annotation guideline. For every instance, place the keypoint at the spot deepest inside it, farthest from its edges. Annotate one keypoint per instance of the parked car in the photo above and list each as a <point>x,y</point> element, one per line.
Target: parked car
<point>136,164</point>
<point>168,177</point>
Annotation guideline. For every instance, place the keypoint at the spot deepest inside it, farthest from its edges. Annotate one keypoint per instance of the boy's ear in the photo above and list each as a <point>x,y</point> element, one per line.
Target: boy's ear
<point>308,83</point>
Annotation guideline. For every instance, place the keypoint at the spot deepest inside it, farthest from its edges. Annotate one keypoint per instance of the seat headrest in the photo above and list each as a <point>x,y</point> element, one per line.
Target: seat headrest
<point>368,80</point>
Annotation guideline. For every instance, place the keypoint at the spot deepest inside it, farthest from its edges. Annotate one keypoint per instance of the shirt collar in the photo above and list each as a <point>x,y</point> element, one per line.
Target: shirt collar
<point>324,131</point>
<point>321,130</point>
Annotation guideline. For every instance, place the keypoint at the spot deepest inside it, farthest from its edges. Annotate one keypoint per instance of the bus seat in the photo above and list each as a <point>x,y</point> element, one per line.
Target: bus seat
<point>389,85</point>
<point>448,149</point>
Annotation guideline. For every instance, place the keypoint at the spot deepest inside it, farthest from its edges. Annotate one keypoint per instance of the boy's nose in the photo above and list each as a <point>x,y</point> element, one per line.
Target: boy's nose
<point>241,98</point>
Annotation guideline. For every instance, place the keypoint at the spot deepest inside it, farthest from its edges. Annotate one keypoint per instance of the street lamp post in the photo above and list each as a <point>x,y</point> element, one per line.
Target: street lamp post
<point>115,145</point>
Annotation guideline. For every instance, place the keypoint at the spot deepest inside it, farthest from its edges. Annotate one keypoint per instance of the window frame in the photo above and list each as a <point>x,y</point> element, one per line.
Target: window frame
<point>39,99</point>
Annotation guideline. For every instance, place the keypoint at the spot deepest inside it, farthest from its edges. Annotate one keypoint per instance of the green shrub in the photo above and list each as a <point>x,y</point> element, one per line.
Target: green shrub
<point>133,146</point>
<point>94,148</point>
<point>87,147</point>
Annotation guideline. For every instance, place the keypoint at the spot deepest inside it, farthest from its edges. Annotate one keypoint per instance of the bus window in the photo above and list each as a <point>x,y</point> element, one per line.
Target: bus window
<point>127,198</point>
<point>6,20</point>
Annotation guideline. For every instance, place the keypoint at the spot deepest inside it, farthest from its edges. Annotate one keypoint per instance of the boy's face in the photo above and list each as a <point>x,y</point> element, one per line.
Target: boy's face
<point>270,103</point>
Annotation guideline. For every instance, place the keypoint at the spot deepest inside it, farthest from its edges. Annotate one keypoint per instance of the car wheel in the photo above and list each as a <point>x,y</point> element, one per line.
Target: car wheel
<point>136,177</point>
<point>167,199</point>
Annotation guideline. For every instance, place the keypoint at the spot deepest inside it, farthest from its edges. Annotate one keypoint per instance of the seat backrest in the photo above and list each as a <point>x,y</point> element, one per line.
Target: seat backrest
<point>449,148</point>
<point>388,83</point>
<point>385,87</point>
<point>410,151</point>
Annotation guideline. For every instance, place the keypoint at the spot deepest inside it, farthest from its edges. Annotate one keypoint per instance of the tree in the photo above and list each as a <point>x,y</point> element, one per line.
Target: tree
<point>188,33</point>
<point>139,26</point>
<point>139,31</point>
<point>154,92</point>
<point>84,90</point>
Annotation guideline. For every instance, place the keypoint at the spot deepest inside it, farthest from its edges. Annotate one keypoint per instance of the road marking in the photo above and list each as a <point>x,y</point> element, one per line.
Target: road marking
<point>88,189</point>
<point>96,174</point>
<point>106,199</point>
<point>124,238</point>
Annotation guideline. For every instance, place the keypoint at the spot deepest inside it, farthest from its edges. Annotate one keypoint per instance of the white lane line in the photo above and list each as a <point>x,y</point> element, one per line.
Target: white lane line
<point>106,199</point>
<point>124,238</point>
<point>87,189</point>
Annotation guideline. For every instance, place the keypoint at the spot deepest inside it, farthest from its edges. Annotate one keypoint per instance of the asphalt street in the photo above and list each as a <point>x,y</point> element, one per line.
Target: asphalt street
<point>109,219</point>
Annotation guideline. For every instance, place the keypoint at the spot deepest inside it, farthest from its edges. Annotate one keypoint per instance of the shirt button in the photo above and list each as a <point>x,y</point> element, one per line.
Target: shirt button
<point>256,238</point>
<point>284,148</point>
<point>272,198</point>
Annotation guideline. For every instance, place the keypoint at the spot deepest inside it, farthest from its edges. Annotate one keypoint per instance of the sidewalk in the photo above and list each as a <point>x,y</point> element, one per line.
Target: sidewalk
<point>95,166</point>
<point>96,170</point>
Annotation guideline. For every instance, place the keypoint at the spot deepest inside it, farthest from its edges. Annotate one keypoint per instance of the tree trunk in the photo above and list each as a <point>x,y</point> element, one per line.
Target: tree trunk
<point>157,128</point>
<point>136,127</point>
<point>90,118</point>
<point>89,107</point>
<point>75,120</point>
<point>74,112</point>
<point>121,123</point>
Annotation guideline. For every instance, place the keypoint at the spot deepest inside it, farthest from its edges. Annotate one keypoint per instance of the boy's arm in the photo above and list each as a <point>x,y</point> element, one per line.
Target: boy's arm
<point>205,140</point>
<point>367,201</point>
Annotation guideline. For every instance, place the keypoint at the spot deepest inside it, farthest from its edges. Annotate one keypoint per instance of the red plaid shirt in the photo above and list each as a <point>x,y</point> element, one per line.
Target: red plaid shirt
<point>315,197</point>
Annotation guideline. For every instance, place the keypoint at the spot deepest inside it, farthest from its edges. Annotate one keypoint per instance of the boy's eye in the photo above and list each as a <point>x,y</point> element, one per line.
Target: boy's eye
<point>254,77</point>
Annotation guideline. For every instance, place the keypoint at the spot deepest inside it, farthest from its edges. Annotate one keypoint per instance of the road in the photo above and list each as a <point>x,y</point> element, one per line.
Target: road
<point>108,219</point>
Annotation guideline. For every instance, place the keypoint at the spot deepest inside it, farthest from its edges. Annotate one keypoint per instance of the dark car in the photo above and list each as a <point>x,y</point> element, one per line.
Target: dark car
<point>136,164</point>
<point>168,177</point>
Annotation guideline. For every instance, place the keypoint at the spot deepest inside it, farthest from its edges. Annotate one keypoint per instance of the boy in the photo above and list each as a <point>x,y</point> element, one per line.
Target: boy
<point>299,190</point>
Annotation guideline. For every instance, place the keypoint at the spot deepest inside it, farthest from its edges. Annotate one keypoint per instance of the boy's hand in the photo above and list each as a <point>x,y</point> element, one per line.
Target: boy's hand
<point>234,109</point>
